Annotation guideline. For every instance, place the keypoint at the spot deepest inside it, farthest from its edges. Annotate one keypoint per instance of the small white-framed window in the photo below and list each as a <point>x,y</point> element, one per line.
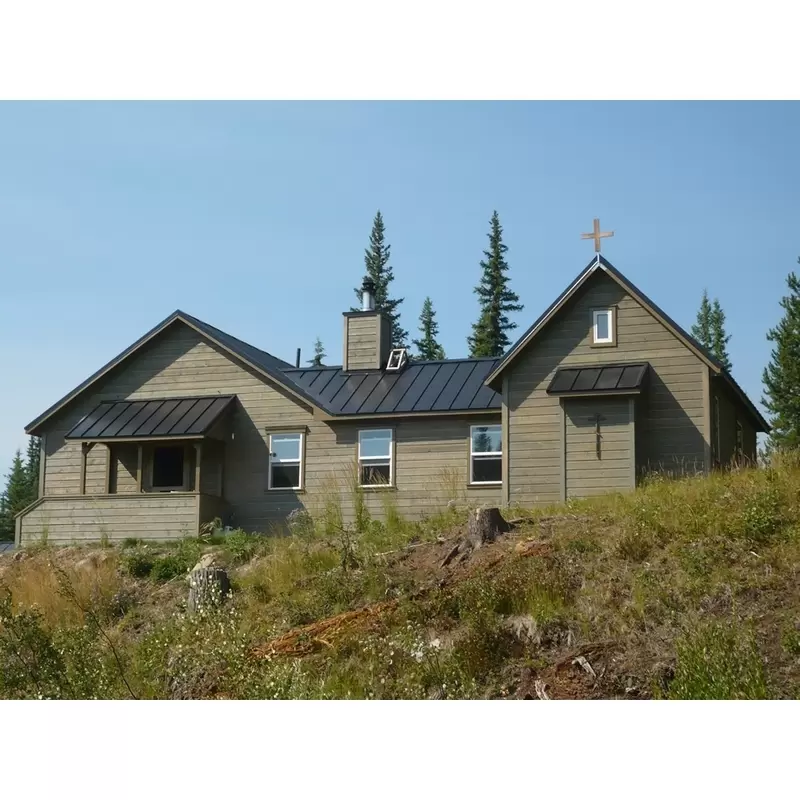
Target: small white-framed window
<point>485,454</point>
<point>603,326</point>
<point>285,461</point>
<point>375,463</point>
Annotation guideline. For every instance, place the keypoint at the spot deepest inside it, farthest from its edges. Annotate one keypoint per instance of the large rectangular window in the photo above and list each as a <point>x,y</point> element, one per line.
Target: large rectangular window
<point>486,454</point>
<point>168,468</point>
<point>286,461</point>
<point>375,467</point>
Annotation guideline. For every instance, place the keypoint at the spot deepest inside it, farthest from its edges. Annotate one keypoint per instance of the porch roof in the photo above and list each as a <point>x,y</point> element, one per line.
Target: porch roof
<point>167,418</point>
<point>597,379</point>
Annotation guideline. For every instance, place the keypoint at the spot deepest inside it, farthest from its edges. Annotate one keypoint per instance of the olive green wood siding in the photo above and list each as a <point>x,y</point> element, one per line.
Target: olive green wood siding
<point>63,519</point>
<point>125,461</point>
<point>367,341</point>
<point>730,410</point>
<point>211,467</point>
<point>586,473</point>
<point>670,423</point>
<point>362,342</point>
<point>432,454</point>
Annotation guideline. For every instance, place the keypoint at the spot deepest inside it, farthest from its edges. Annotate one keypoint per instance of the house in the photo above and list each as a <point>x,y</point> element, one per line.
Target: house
<point>190,423</point>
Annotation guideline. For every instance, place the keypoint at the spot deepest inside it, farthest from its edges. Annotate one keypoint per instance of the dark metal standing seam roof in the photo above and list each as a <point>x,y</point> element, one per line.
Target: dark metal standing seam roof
<point>599,379</point>
<point>169,418</point>
<point>453,385</point>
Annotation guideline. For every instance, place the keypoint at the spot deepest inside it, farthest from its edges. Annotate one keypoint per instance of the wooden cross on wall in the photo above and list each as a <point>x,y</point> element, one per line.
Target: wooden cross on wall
<point>597,419</point>
<point>597,235</point>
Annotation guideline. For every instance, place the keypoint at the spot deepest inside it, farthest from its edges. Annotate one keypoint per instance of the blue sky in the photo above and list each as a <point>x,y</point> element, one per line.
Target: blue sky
<point>254,217</point>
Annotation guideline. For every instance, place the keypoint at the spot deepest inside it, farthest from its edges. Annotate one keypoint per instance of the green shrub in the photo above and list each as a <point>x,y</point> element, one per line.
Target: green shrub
<point>718,662</point>
<point>165,568</point>
<point>138,563</point>
<point>130,542</point>
<point>791,641</point>
<point>762,515</point>
<point>188,550</point>
<point>241,546</point>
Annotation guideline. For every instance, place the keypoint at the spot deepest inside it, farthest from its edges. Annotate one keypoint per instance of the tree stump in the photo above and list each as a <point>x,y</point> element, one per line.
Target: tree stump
<point>208,586</point>
<point>483,525</point>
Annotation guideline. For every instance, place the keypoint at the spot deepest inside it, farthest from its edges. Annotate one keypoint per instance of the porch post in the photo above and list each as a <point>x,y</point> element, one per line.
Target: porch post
<point>109,465</point>
<point>139,463</point>
<point>198,456</point>
<point>221,470</point>
<point>85,448</point>
<point>198,448</point>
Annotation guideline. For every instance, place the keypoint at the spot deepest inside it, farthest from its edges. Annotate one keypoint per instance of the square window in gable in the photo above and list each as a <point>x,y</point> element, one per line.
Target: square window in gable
<point>603,326</point>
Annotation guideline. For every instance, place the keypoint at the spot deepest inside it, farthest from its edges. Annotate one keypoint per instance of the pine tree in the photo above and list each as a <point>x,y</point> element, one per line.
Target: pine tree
<point>701,330</point>
<point>319,354</point>
<point>32,467</point>
<point>15,496</point>
<point>709,330</point>
<point>428,348</point>
<point>719,339</point>
<point>376,260</point>
<point>489,333</point>
<point>782,374</point>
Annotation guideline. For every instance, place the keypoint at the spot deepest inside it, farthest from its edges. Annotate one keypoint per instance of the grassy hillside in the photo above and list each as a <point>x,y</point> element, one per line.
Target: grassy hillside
<point>685,589</point>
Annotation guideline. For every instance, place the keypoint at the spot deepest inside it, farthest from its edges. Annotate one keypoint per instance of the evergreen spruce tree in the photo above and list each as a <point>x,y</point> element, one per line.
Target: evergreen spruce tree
<point>376,260</point>
<point>15,496</point>
<point>32,467</point>
<point>709,330</point>
<point>701,330</point>
<point>782,374</point>
<point>319,354</point>
<point>719,339</point>
<point>490,332</point>
<point>428,348</point>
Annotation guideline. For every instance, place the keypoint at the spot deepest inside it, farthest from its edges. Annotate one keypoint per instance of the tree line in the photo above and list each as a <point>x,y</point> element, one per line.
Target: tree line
<point>22,487</point>
<point>496,300</point>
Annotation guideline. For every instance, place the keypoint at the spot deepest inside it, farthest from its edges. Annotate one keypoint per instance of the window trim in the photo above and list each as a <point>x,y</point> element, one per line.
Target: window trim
<point>612,318</point>
<point>715,425</point>
<point>301,461</point>
<point>485,456</point>
<point>367,459</point>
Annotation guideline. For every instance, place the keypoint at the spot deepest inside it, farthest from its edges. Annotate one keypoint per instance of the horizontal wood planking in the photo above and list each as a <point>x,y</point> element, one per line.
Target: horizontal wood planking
<point>362,342</point>
<point>125,458</point>
<point>61,520</point>
<point>669,423</point>
<point>585,471</point>
<point>212,507</point>
<point>730,410</point>
<point>166,368</point>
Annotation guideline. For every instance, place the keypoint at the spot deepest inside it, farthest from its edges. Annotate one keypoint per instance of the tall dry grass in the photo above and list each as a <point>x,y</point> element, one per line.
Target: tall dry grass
<point>34,584</point>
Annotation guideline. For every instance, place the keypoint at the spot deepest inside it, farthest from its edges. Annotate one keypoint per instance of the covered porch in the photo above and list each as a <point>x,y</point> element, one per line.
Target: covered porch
<point>148,469</point>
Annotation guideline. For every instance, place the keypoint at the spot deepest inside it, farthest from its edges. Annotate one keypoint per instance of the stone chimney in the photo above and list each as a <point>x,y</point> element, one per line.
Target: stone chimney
<point>367,334</point>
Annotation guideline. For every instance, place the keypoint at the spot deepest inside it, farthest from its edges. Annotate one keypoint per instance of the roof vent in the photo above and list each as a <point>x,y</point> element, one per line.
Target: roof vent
<point>398,358</point>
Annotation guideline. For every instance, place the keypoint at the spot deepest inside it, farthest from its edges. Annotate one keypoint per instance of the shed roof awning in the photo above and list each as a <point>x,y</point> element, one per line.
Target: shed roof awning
<point>171,418</point>
<point>599,379</point>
